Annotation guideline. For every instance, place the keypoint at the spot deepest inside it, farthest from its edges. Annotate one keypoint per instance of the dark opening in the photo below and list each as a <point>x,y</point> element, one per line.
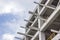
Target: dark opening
<point>36,11</point>
<point>55,2</point>
<point>43,2</point>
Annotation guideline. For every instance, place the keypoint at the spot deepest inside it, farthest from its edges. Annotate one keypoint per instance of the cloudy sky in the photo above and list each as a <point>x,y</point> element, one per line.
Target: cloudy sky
<point>12,15</point>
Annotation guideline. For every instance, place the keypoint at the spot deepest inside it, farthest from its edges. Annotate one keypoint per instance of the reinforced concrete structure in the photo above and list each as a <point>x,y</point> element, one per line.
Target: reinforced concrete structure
<point>44,23</point>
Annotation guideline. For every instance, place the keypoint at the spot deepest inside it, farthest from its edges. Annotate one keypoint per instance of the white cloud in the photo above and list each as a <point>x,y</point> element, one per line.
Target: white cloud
<point>10,7</point>
<point>14,8</point>
<point>8,36</point>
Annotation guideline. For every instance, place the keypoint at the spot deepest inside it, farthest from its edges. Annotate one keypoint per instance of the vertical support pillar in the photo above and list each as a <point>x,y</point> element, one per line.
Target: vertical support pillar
<point>41,36</point>
<point>26,38</point>
<point>40,22</point>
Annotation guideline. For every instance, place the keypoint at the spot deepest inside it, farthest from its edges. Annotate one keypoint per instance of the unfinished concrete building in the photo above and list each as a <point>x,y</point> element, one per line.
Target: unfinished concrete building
<point>44,23</point>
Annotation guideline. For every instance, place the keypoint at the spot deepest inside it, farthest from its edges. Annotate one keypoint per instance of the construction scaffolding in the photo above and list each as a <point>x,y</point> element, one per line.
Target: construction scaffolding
<point>46,16</point>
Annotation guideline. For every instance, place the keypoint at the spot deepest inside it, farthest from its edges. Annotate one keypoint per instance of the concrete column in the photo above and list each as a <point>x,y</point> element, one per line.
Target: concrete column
<point>26,38</point>
<point>40,23</point>
<point>41,36</point>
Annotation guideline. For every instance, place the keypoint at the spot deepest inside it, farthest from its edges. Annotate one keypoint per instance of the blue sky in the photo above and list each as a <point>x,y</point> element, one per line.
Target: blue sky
<point>12,15</point>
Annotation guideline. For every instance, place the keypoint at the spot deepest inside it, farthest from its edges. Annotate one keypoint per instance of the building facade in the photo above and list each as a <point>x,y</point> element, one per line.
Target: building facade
<point>44,23</point>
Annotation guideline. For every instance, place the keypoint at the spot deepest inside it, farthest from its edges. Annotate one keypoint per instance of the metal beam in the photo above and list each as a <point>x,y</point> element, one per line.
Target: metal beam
<point>44,5</point>
<point>25,34</point>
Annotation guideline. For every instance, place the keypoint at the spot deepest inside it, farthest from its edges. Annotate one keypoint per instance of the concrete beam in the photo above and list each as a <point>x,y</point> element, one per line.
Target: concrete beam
<point>38,16</point>
<point>30,12</point>
<point>35,35</point>
<point>41,34</point>
<point>18,38</point>
<point>44,5</point>
<point>54,31</point>
<point>44,8</point>
<point>43,28</point>
<point>32,25</point>
<point>24,27</point>
<point>34,28</point>
<point>28,21</point>
<point>41,18</point>
<point>50,19</point>
<point>25,34</point>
